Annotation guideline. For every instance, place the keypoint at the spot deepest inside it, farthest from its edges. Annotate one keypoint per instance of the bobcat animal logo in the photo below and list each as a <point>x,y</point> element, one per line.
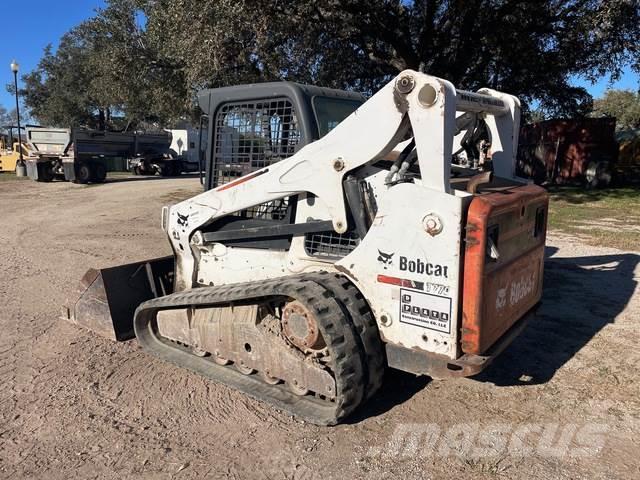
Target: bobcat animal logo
<point>183,220</point>
<point>385,258</point>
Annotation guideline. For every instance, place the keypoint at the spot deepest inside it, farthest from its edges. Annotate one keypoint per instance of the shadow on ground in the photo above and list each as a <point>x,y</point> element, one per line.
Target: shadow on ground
<point>398,387</point>
<point>581,195</point>
<point>142,178</point>
<point>581,296</point>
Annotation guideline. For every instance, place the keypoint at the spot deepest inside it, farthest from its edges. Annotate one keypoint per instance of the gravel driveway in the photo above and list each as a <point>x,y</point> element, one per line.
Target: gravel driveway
<point>561,402</point>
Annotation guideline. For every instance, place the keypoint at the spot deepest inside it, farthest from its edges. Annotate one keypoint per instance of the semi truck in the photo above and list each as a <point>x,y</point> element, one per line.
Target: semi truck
<point>184,155</point>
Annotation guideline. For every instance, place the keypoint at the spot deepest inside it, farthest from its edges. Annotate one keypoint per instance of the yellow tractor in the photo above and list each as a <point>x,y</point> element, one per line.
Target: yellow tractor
<point>10,154</point>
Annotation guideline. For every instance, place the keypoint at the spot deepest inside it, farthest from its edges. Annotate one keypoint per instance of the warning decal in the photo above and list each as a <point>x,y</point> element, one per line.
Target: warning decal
<point>425,310</point>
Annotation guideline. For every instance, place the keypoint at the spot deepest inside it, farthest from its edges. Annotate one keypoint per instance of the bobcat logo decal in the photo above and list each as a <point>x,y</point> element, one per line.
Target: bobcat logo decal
<point>183,220</point>
<point>385,258</point>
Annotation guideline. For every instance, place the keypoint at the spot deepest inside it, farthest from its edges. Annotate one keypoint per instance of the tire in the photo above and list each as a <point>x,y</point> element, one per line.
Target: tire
<point>176,169</point>
<point>45,172</point>
<point>99,173</point>
<point>604,174</point>
<point>597,175</point>
<point>170,169</point>
<point>83,173</point>
<point>166,170</point>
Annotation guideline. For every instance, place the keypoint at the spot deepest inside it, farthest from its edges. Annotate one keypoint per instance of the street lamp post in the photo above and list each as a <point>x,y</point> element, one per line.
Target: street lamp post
<point>21,170</point>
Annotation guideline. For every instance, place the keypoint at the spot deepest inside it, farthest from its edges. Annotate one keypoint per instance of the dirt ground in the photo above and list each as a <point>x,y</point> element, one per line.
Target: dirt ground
<point>562,402</point>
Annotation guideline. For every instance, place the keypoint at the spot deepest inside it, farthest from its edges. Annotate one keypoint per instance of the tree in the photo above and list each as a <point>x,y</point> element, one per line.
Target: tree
<point>528,48</point>
<point>5,117</point>
<point>9,118</point>
<point>622,104</point>
<point>54,90</point>
<point>148,58</point>
<point>129,71</point>
<point>102,72</point>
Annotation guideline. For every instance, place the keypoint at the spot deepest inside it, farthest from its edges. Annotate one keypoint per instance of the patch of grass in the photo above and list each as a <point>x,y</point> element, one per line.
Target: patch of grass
<point>119,174</point>
<point>607,217</point>
<point>10,177</point>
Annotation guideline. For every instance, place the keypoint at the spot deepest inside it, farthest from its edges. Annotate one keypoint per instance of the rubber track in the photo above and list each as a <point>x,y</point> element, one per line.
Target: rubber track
<point>365,324</point>
<point>339,334</point>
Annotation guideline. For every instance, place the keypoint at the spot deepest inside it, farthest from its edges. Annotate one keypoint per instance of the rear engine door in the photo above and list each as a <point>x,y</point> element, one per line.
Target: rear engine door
<point>503,264</point>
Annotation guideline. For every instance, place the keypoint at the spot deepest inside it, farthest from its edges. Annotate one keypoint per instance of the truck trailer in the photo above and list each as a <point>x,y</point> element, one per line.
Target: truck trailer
<point>80,155</point>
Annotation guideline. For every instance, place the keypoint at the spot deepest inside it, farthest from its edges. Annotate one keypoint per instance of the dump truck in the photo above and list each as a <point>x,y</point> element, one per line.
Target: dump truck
<point>50,149</point>
<point>336,238</point>
<point>80,155</point>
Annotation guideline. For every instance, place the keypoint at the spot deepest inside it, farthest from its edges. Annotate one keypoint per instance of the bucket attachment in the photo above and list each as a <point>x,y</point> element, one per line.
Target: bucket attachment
<point>106,299</point>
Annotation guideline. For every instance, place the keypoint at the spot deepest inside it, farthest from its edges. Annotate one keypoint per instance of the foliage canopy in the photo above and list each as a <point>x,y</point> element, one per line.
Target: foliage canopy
<point>622,104</point>
<point>143,60</point>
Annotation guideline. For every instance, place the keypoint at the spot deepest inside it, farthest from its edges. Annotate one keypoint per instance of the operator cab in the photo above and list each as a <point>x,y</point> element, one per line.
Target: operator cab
<point>253,126</point>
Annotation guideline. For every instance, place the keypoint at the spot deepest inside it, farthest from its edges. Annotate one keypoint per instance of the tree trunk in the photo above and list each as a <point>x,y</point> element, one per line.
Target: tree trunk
<point>101,119</point>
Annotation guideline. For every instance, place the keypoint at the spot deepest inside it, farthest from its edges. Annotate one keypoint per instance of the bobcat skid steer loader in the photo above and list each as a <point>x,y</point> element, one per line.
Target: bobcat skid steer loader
<point>336,238</point>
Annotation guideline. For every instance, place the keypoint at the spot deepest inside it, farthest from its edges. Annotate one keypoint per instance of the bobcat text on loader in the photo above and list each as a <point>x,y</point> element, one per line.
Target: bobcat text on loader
<point>335,238</point>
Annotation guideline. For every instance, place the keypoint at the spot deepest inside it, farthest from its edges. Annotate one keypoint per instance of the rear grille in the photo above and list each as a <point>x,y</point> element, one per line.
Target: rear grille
<point>330,244</point>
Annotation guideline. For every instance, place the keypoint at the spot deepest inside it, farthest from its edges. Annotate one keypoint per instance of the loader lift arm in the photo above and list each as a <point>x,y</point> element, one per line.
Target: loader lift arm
<point>426,104</point>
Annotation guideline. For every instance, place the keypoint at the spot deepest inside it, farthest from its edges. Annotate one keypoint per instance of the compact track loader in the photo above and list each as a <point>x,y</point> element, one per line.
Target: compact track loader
<point>335,238</point>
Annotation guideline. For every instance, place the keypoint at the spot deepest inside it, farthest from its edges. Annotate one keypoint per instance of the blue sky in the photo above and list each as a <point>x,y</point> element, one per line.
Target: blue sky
<point>45,21</point>
<point>42,22</point>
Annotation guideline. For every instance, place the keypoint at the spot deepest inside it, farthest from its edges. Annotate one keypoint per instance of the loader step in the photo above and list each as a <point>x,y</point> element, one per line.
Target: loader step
<point>341,319</point>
